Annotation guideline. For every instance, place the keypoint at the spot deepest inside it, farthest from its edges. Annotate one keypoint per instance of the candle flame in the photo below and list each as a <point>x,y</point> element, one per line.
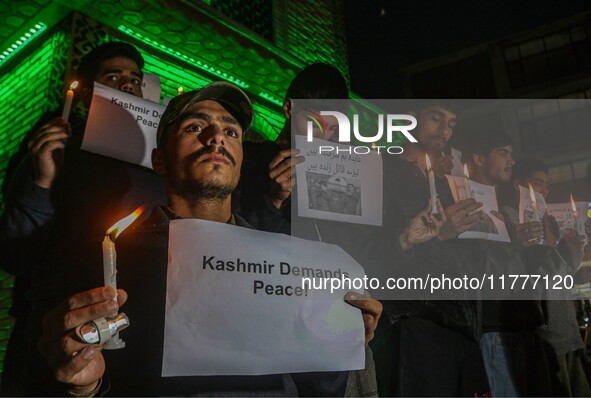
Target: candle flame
<point>428,162</point>
<point>572,203</point>
<point>180,90</point>
<point>122,224</point>
<point>466,174</point>
<point>532,194</point>
<point>74,85</point>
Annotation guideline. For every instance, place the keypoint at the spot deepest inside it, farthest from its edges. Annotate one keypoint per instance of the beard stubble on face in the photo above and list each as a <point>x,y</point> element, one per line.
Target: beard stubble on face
<point>194,190</point>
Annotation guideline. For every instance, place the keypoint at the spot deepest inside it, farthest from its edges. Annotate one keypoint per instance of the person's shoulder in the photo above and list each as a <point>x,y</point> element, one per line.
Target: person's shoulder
<point>241,222</point>
<point>396,163</point>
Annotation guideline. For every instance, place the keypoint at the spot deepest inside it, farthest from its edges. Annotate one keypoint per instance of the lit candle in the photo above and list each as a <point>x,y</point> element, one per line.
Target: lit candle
<point>467,187</point>
<point>578,227</point>
<point>68,101</point>
<point>109,252</point>
<point>432,189</point>
<point>110,261</point>
<point>179,91</point>
<point>534,203</point>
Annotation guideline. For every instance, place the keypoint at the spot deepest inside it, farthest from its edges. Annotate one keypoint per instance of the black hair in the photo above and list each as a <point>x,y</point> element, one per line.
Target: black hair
<point>90,63</point>
<point>318,81</point>
<point>524,168</point>
<point>482,142</point>
<point>419,105</point>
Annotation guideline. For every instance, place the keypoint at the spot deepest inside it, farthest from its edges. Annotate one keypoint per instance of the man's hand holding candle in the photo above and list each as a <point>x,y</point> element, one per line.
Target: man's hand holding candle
<point>77,364</point>
<point>423,227</point>
<point>575,249</point>
<point>527,234</point>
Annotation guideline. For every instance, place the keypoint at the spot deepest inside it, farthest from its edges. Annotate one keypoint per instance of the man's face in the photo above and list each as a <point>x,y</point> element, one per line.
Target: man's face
<point>434,128</point>
<point>540,182</point>
<point>122,74</point>
<point>498,165</point>
<point>300,123</point>
<point>203,151</point>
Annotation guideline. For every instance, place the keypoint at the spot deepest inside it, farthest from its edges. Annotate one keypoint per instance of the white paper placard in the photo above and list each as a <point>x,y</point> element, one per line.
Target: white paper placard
<point>526,209</point>
<point>220,321</point>
<point>490,226</point>
<point>565,218</point>
<point>340,187</point>
<point>457,168</point>
<point>122,126</point>
<point>151,87</point>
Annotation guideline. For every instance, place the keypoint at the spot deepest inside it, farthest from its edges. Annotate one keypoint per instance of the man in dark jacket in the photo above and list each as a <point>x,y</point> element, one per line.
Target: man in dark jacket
<point>426,348</point>
<point>562,339</point>
<point>513,354</point>
<point>200,154</point>
<point>56,192</point>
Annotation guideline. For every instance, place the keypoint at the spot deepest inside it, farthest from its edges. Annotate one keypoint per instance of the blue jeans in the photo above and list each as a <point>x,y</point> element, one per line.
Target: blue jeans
<point>504,355</point>
<point>515,364</point>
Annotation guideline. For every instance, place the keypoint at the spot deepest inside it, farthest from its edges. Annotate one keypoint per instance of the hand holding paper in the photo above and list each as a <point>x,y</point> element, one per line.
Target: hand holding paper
<point>466,225</point>
<point>371,309</point>
<point>461,216</point>
<point>271,321</point>
<point>282,175</point>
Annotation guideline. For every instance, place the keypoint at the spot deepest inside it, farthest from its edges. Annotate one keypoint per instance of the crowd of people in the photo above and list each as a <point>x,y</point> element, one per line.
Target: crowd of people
<point>203,168</point>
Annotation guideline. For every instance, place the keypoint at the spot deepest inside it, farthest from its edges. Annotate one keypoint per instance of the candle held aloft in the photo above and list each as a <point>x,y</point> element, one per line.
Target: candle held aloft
<point>580,228</point>
<point>179,91</point>
<point>534,203</point>
<point>68,102</point>
<point>110,262</point>
<point>432,189</point>
<point>467,188</point>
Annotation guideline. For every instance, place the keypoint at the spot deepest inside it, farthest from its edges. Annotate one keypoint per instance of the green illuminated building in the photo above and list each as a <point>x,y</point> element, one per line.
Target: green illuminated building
<point>258,45</point>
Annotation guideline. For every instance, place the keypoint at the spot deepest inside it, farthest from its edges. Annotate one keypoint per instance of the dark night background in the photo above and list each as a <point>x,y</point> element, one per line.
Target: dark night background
<point>383,36</point>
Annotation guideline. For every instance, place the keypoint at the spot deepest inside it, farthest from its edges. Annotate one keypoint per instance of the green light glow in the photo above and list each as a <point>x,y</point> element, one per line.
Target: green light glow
<point>182,57</point>
<point>267,123</point>
<point>269,97</point>
<point>27,37</point>
<point>26,102</point>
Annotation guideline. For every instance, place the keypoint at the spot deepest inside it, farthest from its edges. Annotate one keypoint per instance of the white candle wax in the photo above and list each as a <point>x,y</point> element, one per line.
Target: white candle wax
<point>580,228</point>
<point>109,263</point>
<point>467,188</point>
<point>68,105</point>
<point>534,207</point>
<point>433,192</point>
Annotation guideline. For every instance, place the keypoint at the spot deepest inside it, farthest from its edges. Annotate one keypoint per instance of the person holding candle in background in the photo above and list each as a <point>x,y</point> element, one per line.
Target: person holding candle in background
<point>563,344</point>
<point>416,342</point>
<point>264,192</point>
<point>512,352</point>
<point>267,180</point>
<point>200,155</point>
<point>49,183</point>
